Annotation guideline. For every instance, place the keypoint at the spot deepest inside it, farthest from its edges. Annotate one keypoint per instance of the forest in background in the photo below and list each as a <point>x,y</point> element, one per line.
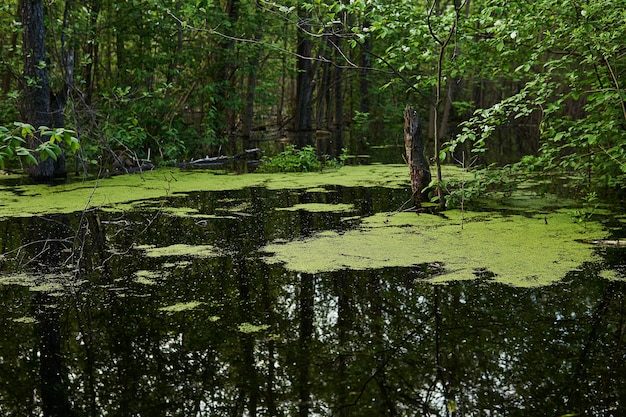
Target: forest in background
<point>535,84</point>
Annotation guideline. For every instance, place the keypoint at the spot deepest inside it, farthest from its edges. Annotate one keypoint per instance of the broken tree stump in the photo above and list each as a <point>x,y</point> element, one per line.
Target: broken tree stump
<point>418,164</point>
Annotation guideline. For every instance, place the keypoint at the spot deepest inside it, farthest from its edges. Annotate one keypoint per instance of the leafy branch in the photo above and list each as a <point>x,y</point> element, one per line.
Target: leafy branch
<point>14,143</point>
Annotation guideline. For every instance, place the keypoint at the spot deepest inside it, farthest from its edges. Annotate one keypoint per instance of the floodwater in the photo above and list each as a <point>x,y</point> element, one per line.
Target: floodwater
<point>150,312</point>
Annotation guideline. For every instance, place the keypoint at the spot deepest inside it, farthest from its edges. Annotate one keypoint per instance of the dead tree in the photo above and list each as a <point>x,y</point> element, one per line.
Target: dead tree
<point>415,156</point>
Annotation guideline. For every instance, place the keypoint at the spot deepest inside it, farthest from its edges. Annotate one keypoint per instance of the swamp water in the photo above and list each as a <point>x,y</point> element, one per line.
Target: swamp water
<point>198,294</point>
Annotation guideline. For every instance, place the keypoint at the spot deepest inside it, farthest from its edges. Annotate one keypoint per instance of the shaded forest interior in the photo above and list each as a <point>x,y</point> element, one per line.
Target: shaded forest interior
<point>168,83</point>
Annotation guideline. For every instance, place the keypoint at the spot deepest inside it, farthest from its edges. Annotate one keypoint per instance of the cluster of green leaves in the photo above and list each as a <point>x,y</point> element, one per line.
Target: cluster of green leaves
<point>589,207</point>
<point>304,159</point>
<point>479,128</point>
<point>13,143</point>
<point>480,183</point>
<point>567,67</point>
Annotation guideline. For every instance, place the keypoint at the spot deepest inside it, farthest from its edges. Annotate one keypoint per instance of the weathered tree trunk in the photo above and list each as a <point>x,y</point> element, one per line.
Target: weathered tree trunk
<point>416,159</point>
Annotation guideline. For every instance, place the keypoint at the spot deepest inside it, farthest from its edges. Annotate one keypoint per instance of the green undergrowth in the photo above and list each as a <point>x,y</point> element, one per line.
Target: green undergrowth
<point>303,159</point>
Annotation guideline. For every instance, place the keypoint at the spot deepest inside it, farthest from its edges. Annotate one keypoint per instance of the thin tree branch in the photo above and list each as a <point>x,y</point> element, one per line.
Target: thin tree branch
<point>616,83</point>
<point>319,58</point>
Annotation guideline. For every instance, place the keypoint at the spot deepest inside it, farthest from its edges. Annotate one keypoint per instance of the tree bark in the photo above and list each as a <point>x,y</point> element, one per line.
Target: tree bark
<point>304,82</point>
<point>248,113</point>
<point>338,85</point>
<point>91,51</point>
<point>364,85</point>
<point>418,164</point>
<point>230,77</point>
<point>8,76</point>
<point>37,97</point>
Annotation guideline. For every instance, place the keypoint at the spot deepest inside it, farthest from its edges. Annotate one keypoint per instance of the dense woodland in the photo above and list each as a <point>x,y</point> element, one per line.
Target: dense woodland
<point>538,82</point>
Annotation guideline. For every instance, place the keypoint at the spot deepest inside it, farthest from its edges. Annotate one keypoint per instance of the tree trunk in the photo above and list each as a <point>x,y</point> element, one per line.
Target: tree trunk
<point>416,159</point>
<point>8,75</point>
<point>338,86</point>
<point>59,99</point>
<point>37,89</point>
<point>37,97</point>
<point>304,83</point>
<point>230,77</point>
<point>323,119</point>
<point>364,86</point>
<point>248,113</point>
<point>36,110</point>
<point>91,51</point>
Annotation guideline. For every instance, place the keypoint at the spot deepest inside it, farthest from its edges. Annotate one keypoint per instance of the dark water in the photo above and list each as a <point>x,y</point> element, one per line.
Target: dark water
<point>268,342</point>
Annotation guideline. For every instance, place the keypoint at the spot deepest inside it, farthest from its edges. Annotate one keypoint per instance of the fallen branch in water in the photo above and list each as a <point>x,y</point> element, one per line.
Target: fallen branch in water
<point>249,154</point>
<point>608,242</point>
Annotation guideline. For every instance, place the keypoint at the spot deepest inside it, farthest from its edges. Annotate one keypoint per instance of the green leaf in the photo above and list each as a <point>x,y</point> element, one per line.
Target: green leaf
<point>30,159</point>
<point>74,145</point>
<point>46,153</point>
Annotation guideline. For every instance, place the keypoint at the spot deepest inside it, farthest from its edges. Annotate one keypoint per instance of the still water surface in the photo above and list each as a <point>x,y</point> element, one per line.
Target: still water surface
<point>104,325</point>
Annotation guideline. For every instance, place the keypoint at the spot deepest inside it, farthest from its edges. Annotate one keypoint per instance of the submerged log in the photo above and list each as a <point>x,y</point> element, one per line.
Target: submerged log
<point>418,164</point>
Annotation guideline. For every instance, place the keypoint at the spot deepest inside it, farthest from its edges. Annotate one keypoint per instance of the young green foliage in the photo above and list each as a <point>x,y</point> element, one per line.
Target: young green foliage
<point>12,143</point>
<point>299,160</point>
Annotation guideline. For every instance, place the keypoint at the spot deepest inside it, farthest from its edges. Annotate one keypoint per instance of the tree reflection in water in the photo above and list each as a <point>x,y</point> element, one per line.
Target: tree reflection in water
<point>264,341</point>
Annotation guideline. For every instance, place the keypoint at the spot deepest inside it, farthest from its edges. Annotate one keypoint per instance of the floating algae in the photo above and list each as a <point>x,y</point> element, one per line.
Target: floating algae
<point>520,250</point>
